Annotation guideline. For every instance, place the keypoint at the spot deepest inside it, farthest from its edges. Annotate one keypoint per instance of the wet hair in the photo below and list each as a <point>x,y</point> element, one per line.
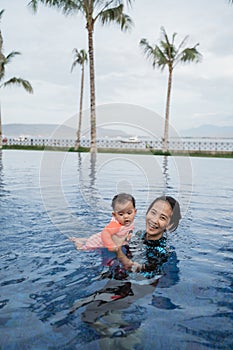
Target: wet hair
<point>176,215</point>
<point>122,198</point>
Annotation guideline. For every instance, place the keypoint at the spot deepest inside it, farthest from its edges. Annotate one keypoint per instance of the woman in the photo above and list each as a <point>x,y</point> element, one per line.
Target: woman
<point>162,215</point>
<point>135,273</point>
<point>145,256</point>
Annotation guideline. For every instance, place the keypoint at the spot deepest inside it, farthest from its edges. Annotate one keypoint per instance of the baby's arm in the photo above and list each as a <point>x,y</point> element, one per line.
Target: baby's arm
<point>108,241</point>
<point>118,241</point>
<point>121,240</point>
<point>128,264</point>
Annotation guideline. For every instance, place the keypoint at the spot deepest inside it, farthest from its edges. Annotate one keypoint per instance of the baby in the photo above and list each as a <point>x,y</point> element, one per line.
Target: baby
<point>119,229</point>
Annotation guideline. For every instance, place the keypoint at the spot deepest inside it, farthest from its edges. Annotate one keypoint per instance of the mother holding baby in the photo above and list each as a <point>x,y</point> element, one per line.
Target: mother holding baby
<point>134,272</point>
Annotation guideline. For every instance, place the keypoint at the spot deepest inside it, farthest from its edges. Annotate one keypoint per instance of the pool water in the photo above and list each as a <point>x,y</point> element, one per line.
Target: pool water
<point>46,197</point>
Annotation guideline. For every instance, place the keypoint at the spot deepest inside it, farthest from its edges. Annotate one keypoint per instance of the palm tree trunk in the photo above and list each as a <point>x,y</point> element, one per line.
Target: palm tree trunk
<point>77,143</point>
<point>92,90</point>
<point>166,127</point>
<point>2,57</point>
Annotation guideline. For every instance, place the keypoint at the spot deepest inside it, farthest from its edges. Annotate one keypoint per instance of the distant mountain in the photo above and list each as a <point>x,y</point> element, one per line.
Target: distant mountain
<point>38,130</point>
<point>53,131</point>
<point>209,131</point>
<point>67,132</point>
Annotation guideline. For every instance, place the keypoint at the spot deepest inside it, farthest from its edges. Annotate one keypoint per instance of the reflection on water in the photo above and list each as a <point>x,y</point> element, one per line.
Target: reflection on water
<point>117,309</point>
<point>46,197</point>
<point>1,174</point>
<point>165,172</point>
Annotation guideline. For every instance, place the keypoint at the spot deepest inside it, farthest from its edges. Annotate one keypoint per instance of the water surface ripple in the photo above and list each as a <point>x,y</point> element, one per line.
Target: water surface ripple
<point>43,276</point>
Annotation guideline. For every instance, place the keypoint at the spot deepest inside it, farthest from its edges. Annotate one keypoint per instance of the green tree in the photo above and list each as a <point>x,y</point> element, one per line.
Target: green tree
<point>104,11</point>
<point>166,54</point>
<point>80,57</point>
<point>4,60</point>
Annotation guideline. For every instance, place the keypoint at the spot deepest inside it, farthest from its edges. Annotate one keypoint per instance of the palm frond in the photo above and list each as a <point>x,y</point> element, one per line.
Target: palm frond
<point>20,82</point>
<point>70,6</point>
<point>166,53</point>
<point>102,5</point>
<point>1,13</point>
<point>129,2</point>
<point>190,54</point>
<point>11,55</point>
<point>161,59</point>
<point>155,54</point>
<point>147,48</point>
<point>165,36</point>
<point>33,5</point>
<point>173,38</point>
<point>182,43</point>
<point>80,57</point>
<point>2,71</point>
<point>66,6</point>
<point>116,15</point>
<point>169,48</point>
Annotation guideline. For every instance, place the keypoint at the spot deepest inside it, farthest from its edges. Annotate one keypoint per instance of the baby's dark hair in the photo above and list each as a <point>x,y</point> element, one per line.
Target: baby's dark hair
<point>176,215</point>
<point>122,198</point>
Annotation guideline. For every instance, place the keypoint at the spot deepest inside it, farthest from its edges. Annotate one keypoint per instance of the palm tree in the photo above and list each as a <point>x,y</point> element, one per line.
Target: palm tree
<point>105,11</point>
<point>80,57</point>
<point>167,55</point>
<point>4,60</point>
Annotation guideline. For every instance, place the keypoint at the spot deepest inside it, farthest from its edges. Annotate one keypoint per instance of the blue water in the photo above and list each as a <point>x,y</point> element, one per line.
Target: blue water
<point>48,196</point>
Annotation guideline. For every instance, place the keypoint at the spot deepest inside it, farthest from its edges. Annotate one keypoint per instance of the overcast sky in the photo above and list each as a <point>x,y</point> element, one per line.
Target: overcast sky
<point>201,94</point>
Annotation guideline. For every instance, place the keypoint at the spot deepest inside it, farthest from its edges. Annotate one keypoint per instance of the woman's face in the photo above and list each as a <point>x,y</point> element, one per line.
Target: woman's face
<point>157,219</point>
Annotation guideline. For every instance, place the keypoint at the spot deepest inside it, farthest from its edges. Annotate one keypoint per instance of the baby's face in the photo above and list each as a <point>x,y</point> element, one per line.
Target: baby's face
<point>124,213</point>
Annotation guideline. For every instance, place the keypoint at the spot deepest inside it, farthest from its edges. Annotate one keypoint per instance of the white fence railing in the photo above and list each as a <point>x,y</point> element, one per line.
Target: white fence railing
<point>218,145</point>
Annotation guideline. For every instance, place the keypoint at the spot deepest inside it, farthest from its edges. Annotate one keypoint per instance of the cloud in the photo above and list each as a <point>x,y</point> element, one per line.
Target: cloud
<point>218,118</point>
<point>123,75</point>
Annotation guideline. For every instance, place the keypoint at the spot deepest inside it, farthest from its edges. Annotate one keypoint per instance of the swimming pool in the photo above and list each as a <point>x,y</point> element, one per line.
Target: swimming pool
<point>48,196</point>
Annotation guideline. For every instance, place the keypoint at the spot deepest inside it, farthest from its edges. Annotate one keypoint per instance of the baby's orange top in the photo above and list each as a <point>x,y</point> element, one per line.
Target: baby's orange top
<point>114,228</point>
<point>104,238</point>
